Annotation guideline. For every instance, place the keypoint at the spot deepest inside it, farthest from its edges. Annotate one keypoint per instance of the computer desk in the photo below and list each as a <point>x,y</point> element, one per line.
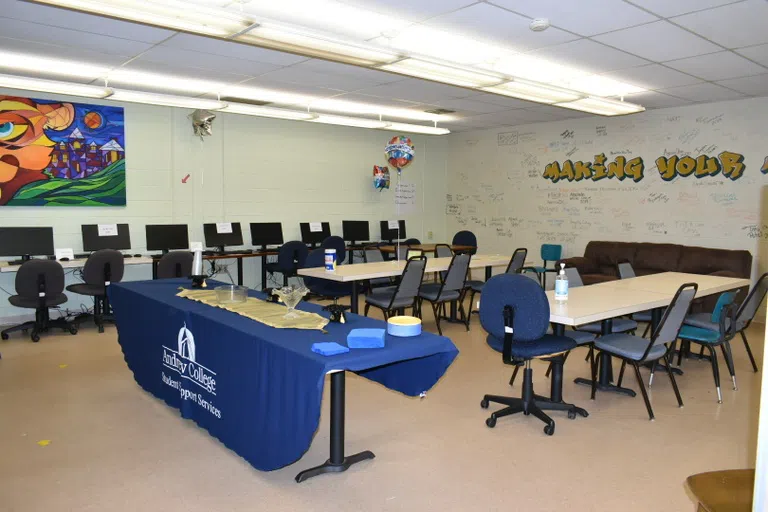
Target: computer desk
<point>80,263</point>
<point>237,257</point>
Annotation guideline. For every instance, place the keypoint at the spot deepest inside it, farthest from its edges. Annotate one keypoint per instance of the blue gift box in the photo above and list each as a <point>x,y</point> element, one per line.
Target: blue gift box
<point>329,348</point>
<point>366,338</point>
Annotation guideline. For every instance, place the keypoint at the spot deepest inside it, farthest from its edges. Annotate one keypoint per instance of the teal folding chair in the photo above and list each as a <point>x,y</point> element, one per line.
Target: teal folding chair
<point>549,252</point>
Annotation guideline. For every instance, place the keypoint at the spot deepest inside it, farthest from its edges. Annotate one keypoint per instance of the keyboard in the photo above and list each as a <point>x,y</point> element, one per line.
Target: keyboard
<point>228,253</point>
<point>82,256</point>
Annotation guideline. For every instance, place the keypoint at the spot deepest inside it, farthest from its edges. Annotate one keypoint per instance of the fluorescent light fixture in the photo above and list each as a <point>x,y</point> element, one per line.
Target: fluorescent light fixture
<point>596,85</point>
<point>167,100</point>
<point>276,113</point>
<point>533,69</point>
<point>290,40</point>
<point>265,95</point>
<point>350,121</point>
<point>533,92</point>
<point>443,73</point>
<point>415,128</point>
<point>52,86</point>
<point>172,14</point>
<point>33,63</point>
<point>602,106</point>
<point>161,81</point>
<point>353,107</point>
<point>444,45</point>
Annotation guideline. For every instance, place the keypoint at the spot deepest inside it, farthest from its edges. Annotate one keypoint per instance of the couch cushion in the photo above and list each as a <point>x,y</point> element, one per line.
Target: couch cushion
<point>597,278</point>
<point>703,260</point>
<point>610,253</point>
<point>658,257</point>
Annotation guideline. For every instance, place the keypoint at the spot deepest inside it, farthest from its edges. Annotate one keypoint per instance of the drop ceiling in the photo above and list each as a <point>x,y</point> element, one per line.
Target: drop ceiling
<point>682,51</point>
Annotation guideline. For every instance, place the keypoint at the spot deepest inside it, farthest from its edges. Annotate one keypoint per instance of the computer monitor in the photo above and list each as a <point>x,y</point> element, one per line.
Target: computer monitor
<point>310,233</point>
<point>167,237</point>
<point>105,236</point>
<point>355,230</point>
<point>266,233</point>
<point>222,234</point>
<point>26,242</point>
<point>392,234</point>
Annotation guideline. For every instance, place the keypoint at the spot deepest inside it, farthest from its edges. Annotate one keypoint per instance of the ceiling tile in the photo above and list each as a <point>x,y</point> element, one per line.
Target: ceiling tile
<point>232,49</point>
<point>297,75</point>
<point>752,85</point>
<point>383,102</point>
<point>62,18</point>
<point>503,117</point>
<point>733,25</point>
<point>703,92</point>
<point>415,90</point>
<point>71,38</point>
<point>489,23</point>
<point>337,69</point>
<point>757,53</point>
<point>178,71</point>
<point>410,10</point>
<point>207,61</point>
<point>299,89</point>
<point>667,8</point>
<point>658,42</point>
<point>717,66</point>
<point>468,105</point>
<point>653,76</point>
<point>502,101</point>
<point>585,17</point>
<point>62,52</point>
<point>559,112</point>
<point>651,99</point>
<point>589,56</point>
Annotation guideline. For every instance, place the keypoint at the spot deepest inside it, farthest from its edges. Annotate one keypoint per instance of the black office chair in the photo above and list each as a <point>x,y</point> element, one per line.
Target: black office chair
<point>336,242</point>
<point>465,238</point>
<point>39,286</point>
<point>515,313</point>
<point>175,264</point>
<point>102,268</point>
<point>290,257</point>
<point>412,241</point>
<point>324,287</point>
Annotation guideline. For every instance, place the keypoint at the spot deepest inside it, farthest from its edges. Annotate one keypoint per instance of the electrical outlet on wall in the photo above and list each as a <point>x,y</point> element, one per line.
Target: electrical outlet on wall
<point>429,235</point>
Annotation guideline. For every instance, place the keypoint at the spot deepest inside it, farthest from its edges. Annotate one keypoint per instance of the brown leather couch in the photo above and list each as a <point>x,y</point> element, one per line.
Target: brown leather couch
<point>600,261</point>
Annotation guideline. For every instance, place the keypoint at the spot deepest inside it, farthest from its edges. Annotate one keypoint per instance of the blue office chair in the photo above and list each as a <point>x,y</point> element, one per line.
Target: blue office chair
<point>324,287</point>
<point>336,242</point>
<point>290,257</point>
<point>412,241</point>
<point>549,252</point>
<point>515,313</point>
<point>465,238</point>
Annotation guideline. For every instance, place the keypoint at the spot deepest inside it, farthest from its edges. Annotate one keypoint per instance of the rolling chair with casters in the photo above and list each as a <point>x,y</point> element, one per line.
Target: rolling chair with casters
<point>102,268</point>
<point>451,289</point>
<point>582,339</point>
<point>290,257</point>
<point>636,350</point>
<point>393,300</point>
<point>515,313</point>
<point>323,287</point>
<point>39,286</point>
<point>175,264</point>
<point>336,242</point>
<point>515,266</point>
<point>549,252</point>
<point>465,238</point>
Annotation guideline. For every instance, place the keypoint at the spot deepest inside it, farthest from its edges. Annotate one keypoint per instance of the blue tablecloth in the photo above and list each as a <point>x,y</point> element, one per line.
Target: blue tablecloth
<point>256,388</point>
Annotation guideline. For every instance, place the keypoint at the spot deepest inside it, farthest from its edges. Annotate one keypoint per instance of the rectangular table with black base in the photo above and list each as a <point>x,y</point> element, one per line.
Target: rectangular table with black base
<point>257,388</point>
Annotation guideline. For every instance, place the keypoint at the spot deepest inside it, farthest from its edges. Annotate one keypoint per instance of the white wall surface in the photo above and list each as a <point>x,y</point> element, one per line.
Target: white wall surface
<point>250,170</point>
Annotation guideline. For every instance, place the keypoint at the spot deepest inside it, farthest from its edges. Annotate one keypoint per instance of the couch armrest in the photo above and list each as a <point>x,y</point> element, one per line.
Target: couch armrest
<point>582,264</point>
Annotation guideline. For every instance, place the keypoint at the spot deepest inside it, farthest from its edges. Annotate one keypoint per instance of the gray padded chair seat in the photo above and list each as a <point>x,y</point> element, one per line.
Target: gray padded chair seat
<point>382,299</point>
<point>644,316</point>
<point>32,302</point>
<point>87,289</point>
<point>702,320</point>
<point>631,347</point>
<point>580,337</point>
<point>430,291</point>
<point>475,285</point>
<point>619,325</point>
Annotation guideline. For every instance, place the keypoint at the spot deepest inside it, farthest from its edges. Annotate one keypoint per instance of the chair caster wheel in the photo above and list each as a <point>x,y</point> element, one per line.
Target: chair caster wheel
<point>584,414</point>
<point>491,422</point>
<point>73,330</point>
<point>571,415</point>
<point>483,402</point>
<point>35,337</point>
<point>4,336</point>
<point>549,429</point>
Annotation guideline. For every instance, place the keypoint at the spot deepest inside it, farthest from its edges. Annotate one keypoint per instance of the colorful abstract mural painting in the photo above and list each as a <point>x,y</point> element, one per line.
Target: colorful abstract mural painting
<point>61,153</point>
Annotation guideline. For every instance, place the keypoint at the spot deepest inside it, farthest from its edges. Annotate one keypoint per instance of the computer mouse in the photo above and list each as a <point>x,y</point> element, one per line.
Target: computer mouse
<point>127,256</point>
<point>64,259</point>
<point>137,255</point>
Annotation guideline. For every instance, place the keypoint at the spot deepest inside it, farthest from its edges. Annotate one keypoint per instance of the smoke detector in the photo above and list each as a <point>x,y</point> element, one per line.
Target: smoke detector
<point>539,24</point>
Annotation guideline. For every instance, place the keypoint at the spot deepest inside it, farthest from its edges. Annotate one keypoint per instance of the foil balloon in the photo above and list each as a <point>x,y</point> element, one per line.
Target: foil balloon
<point>399,151</point>
<point>380,177</point>
<point>202,122</point>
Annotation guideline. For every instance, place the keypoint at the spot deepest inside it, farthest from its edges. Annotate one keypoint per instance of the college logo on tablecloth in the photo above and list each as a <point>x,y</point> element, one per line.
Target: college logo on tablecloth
<point>183,364</point>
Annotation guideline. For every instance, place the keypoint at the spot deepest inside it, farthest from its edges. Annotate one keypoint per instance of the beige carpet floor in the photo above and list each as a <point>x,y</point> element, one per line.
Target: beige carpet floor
<point>115,448</point>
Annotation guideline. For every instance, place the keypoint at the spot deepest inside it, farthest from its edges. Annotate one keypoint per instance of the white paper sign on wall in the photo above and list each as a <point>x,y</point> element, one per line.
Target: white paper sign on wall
<point>65,253</point>
<point>315,227</point>
<point>107,229</point>
<point>393,224</point>
<point>223,228</point>
<point>195,246</point>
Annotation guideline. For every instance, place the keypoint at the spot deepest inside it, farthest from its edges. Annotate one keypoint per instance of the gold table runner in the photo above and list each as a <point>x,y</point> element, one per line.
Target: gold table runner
<point>267,313</point>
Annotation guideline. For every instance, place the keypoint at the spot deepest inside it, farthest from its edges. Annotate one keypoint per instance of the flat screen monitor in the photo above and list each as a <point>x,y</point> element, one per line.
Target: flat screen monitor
<point>266,233</point>
<point>314,232</point>
<point>222,234</point>
<point>392,234</point>
<point>106,236</point>
<point>167,237</point>
<point>355,230</point>
<point>26,242</point>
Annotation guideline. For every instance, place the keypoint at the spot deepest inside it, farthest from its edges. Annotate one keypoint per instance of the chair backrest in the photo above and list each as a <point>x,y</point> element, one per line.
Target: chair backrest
<point>104,265</point>
<point>336,242</point>
<point>551,252</point>
<point>465,238</point>
<point>314,259</point>
<point>410,281</point>
<point>443,251</point>
<point>372,254</point>
<point>673,317</point>
<point>34,273</point>
<point>527,300</point>
<point>402,251</point>
<point>413,241</point>
<point>456,275</point>
<point>625,270</point>
<point>175,264</point>
<point>574,278</point>
<point>723,300</point>
<point>292,255</point>
<point>749,307</point>
<point>517,261</point>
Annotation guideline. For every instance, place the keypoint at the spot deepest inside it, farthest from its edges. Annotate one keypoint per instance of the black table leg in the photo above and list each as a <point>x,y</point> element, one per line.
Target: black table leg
<point>488,272</point>
<point>154,267</point>
<point>263,260</point>
<point>337,462</point>
<point>605,369</point>
<point>353,299</point>
<point>240,271</point>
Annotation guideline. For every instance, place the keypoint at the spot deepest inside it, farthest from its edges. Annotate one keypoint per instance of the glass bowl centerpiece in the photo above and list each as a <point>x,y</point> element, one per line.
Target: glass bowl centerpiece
<point>291,296</point>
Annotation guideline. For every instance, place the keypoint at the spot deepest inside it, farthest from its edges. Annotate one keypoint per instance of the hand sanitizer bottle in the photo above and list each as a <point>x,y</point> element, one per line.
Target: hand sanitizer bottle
<point>561,285</point>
